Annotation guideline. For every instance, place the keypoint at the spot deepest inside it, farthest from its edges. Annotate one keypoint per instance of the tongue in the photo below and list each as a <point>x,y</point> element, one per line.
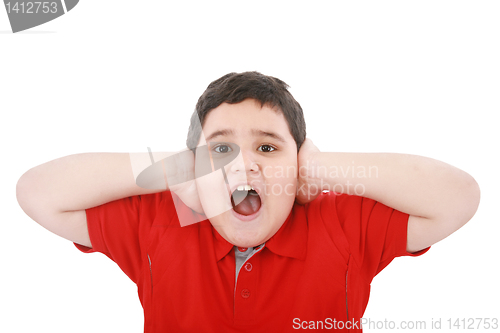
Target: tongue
<point>246,206</point>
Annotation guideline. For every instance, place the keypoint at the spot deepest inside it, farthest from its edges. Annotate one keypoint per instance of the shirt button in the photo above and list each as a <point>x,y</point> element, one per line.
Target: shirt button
<point>245,293</point>
<point>242,249</point>
<point>248,266</point>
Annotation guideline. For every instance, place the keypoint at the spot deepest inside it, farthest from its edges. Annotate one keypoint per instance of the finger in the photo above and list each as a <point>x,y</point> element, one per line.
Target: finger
<point>310,146</point>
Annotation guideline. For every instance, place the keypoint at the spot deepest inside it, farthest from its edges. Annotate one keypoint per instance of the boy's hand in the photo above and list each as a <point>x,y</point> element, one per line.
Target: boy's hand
<point>171,171</point>
<point>188,193</point>
<point>182,174</point>
<point>308,188</point>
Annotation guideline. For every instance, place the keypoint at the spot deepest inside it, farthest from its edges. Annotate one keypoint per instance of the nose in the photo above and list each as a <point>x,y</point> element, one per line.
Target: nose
<point>245,162</point>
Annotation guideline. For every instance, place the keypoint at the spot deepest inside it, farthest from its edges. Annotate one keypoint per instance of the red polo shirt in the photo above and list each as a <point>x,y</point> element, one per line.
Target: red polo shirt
<point>316,270</point>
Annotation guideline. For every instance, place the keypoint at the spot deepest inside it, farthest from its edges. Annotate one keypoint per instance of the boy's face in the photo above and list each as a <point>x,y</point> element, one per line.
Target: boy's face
<point>265,158</point>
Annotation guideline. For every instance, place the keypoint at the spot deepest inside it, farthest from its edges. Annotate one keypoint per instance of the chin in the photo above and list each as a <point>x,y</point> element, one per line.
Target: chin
<point>246,242</point>
<point>246,238</point>
<point>238,233</point>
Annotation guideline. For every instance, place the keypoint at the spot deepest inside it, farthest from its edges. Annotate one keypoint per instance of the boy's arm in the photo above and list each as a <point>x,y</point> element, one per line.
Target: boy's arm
<point>438,197</point>
<point>56,194</point>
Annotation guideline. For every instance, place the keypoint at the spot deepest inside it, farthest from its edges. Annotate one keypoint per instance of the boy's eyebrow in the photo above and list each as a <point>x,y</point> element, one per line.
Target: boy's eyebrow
<point>273,135</point>
<point>223,132</point>
<point>255,132</point>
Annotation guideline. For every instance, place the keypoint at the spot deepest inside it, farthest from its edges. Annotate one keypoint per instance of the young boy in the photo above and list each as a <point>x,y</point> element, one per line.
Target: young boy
<point>253,229</point>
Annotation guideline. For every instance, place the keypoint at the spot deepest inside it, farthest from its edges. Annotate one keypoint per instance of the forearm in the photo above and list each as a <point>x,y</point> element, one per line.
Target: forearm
<point>57,193</point>
<point>415,185</point>
<point>78,182</point>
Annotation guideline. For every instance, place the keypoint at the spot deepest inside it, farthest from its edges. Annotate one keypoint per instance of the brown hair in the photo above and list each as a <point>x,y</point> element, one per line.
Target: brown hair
<point>233,88</point>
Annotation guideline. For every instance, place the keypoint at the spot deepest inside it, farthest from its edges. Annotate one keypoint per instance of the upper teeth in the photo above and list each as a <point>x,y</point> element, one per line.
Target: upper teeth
<point>244,188</point>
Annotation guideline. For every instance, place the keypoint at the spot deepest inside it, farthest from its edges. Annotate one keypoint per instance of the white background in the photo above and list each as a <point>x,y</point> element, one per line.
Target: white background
<point>372,76</point>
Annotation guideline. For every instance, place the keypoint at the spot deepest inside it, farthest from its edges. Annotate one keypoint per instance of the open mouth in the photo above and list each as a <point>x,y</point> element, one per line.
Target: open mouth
<point>245,200</point>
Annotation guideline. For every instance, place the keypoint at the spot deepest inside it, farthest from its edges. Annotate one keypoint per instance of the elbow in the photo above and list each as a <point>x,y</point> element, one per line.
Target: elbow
<point>27,195</point>
<point>463,206</point>
<point>474,197</point>
<point>23,191</point>
<point>466,207</point>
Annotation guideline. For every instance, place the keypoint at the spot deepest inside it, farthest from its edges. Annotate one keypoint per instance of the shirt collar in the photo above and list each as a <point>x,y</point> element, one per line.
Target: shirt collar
<point>289,241</point>
<point>222,246</point>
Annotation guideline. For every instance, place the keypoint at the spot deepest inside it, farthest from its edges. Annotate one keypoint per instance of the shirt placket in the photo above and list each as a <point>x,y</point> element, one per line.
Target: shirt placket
<point>245,292</point>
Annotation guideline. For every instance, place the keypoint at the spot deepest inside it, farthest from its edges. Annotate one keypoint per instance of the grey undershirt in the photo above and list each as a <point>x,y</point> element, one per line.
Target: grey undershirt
<point>242,257</point>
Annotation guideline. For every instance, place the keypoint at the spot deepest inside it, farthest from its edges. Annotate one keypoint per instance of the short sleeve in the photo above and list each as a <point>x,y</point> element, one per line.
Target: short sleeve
<point>376,233</point>
<point>118,229</point>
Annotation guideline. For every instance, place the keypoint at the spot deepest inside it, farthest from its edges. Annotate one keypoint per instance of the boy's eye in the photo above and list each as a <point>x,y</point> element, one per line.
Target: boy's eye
<point>266,148</point>
<point>222,149</point>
